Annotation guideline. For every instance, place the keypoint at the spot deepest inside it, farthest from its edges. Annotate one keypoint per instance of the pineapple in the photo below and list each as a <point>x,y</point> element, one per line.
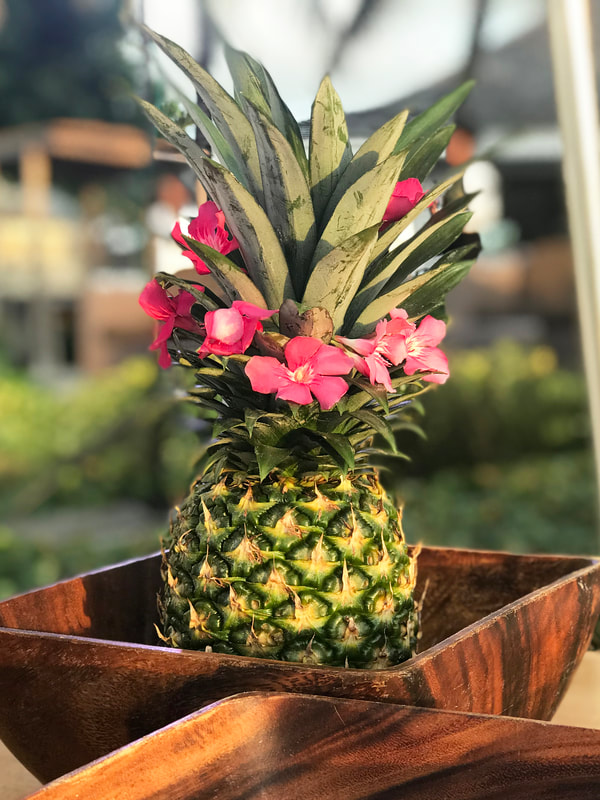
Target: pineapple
<point>288,547</point>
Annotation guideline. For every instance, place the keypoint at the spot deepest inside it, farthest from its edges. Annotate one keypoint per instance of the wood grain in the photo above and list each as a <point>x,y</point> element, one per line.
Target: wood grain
<point>503,635</point>
<point>273,746</point>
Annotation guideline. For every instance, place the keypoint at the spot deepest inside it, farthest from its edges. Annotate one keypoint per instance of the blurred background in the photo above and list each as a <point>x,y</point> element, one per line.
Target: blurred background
<point>93,447</point>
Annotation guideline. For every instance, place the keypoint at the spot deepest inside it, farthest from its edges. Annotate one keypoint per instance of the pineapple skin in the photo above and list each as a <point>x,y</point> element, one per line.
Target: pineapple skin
<point>293,570</point>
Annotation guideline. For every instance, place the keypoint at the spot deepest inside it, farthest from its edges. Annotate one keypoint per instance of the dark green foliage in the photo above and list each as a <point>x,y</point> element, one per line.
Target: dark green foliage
<point>61,59</point>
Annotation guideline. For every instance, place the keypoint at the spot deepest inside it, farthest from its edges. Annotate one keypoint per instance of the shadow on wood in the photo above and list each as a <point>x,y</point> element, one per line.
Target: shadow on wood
<point>80,674</point>
<point>273,746</point>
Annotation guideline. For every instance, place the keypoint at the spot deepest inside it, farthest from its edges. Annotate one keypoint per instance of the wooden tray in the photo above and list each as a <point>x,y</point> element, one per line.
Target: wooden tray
<point>267,746</point>
<point>79,675</point>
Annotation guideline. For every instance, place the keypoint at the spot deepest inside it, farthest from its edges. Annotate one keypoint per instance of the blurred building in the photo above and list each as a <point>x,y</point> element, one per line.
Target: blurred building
<point>64,300</point>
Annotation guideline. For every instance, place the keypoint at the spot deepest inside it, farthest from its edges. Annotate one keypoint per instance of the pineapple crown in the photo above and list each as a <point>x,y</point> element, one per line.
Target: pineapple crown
<point>309,327</point>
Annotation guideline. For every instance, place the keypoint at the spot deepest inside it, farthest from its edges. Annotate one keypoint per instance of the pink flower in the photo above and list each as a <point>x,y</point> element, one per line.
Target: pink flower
<point>405,197</point>
<point>171,311</point>
<point>423,355</point>
<point>209,228</point>
<point>386,347</point>
<point>231,330</point>
<point>310,367</point>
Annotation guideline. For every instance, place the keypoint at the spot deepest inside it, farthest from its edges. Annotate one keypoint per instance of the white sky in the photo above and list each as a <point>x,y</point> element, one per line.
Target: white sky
<point>412,44</point>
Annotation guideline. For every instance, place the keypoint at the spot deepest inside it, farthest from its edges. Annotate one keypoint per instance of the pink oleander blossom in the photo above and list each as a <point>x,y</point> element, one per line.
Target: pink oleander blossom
<point>209,228</point>
<point>311,367</point>
<point>422,353</point>
<point>170,311</point>
<point>386,347</point>
<point>404,198</point>
<point>231,330</point>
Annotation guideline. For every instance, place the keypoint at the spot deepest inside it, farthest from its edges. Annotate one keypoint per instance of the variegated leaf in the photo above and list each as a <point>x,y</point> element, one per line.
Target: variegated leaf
<point>419,296</point>
<point>376,149</point>
<point>235,284</point>
<point>337,276</point>
<point>392,232</point>
<point>247,221</point>
<point>428,122</point>
<point>220,146</point>
<point>361,206</point>
<point>287,197</point>
<point>254,82</point>
<point>423,158</point>
<point>225,112</point>
<point>428,243</point>
<point>329,150</point>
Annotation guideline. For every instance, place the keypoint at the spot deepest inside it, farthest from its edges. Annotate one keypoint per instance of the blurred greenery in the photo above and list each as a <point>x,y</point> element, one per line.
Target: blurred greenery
<point>507,463</point>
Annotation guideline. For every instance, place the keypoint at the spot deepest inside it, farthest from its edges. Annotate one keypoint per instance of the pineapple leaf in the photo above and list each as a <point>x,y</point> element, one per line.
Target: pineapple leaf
<point>225,112</point>
<point>376,149</point>
<point>268,457</point>
<point>424,158</point>
<point>422,295</point>
<point>439,236</point>
<point>426,297</point>
<point>361,206</point>
<point>253,81</point>
<point>427,243</point>
<point>217,141</point>
<point>259,245</point>
<point>329,150</point>
<point>391,233</point>
<point>250,225</point>
<point>287,197</point>
<point>336,277</point>
<point>235,284</point>
<point>429,121</point>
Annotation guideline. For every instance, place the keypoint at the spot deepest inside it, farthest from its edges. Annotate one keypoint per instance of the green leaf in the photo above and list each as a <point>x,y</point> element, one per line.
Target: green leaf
<point>378,424</point>
<point>287,197</point>
<point>235,284</point>
<point>251,417</point>
<point>424,157</point>
<point>426,244</point>
<point>225,112</point>
<point>329,149</point>
<point>377,148</point>
<point>336,277</point>
<point>341,447</point>
<point>429,121</point>
<point>268,457</point>
<point>247,72</point>
<point>367,393</point>
<point>361,206</point>
<point>389,236</point>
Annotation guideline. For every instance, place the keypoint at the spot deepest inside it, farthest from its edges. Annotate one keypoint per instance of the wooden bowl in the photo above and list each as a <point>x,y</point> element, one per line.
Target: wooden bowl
<point>81,675</point>
<point>268,746</point>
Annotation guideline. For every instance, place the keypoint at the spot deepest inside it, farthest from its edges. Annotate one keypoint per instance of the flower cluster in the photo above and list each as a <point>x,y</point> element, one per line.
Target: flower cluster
<point>306,368</point>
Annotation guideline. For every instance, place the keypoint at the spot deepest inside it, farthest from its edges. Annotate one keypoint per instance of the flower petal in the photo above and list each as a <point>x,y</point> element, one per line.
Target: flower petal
<point>363,346</point>
<point>266,374</point>
<point>430,332</point>
<point>405,197</point>
<point>301,349</point>
<point>429,359</point>
<point>156,302</point>
<point>378,371</point>
<point>252,311</point>
<point>202,227</point>
<point>328,390</point>
<point>225,325</point>
<point>295,392</point>
<point>329,360</point>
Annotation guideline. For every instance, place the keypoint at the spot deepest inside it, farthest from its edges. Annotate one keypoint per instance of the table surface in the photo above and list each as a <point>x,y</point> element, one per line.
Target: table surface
<point>581,706</point>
